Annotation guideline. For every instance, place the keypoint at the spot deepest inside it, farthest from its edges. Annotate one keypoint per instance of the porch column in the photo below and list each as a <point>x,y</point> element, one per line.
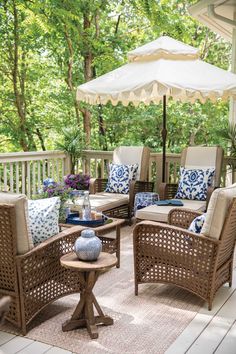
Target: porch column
<point>232,110</point>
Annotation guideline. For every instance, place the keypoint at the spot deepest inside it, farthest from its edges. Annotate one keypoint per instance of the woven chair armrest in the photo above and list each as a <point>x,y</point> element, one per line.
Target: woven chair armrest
<point>137,187</point>
<point>167,190</point>
<point>174,244</point>
<point>182,217</point>
<point>56,245</point>
<point>97,185</point>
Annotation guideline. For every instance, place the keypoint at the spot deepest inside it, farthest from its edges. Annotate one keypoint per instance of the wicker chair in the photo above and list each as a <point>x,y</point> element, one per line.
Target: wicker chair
<point>193,157</point>
<point>200,263</point>
<point>121,205</point>
<point>35,278</point>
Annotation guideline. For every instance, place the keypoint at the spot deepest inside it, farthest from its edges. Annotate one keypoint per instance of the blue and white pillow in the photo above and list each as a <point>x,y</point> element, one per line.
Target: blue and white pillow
<point>120,177</point>
<point>193,183</point>
<point>197,224</point>
<point>43,218</point>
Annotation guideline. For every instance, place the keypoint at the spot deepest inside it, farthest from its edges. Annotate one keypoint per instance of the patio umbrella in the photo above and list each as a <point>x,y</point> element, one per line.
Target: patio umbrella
<point>158,70</point>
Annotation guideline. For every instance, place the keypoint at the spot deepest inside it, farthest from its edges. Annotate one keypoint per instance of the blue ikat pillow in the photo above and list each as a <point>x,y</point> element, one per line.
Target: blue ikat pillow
<point>197,224</point>
<point>120,177</point>
<point>193,183</point>
<point>43,218</point>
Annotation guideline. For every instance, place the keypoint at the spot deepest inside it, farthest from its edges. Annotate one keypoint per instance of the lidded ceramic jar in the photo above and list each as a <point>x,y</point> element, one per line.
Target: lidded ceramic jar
<point>88,246</point>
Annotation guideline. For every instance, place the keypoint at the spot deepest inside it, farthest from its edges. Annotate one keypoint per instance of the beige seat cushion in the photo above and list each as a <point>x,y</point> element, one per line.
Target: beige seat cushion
<point>105,201</point>
<point>217,210</point>
<point>160,213</point>
<point>24,239</point>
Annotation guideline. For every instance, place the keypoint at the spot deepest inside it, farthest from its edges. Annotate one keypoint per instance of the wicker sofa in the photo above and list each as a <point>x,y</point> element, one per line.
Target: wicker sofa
<point>200,263</point>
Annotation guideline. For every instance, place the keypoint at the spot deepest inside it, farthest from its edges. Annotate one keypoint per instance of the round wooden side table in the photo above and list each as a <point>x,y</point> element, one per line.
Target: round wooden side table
<point>83,315</point>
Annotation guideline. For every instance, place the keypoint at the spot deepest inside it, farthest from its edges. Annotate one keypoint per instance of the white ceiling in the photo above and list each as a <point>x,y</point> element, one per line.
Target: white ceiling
<point>224,8</point>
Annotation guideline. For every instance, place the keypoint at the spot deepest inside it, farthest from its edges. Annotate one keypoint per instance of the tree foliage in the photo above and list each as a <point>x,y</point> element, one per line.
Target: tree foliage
<point>50,47</point>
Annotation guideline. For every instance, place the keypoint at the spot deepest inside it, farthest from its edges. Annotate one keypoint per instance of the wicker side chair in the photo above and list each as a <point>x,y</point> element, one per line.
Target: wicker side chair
<point>200,263</point>
<point>121,206</point>
<point>35,278</point>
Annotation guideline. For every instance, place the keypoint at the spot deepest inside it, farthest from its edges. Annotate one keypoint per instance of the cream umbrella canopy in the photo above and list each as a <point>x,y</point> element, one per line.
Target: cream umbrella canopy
<point>158,70</point>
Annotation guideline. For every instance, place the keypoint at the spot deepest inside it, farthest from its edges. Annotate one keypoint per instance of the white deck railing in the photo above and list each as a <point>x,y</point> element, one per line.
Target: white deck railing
<point>24,172</point>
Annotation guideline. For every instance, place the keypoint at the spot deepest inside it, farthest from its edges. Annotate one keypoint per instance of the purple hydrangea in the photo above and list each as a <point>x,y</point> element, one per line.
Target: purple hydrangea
<point>79,181</point>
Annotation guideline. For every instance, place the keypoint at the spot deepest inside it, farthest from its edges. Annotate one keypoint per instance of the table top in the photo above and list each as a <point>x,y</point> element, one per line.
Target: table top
<point>107,226</point>
<point>104,261</point>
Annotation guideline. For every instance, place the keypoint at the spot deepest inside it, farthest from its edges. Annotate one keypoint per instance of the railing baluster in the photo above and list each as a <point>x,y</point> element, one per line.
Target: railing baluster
<point>44,170</point>
<point>63,172</point>
<point>23,187</point>
<point>102,168</point>
<point>11,178</point>
<point>53,168</point>
<point>39,175</point>
<point>17,177</point>
<point>5,176</point>
<point>48,168</point>
<point>57,170</point>
<point>34,177</point>
<point>28,179</point>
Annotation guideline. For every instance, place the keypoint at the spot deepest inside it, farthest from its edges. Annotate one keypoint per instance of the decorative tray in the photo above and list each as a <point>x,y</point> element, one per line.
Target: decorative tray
<point>74,219</point>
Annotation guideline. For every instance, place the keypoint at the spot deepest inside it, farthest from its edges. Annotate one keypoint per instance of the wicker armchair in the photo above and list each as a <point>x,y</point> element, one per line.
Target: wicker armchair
<point>193,157</point>
<point>35,278</point>
<point>200,263</point>
<point>124,207</point>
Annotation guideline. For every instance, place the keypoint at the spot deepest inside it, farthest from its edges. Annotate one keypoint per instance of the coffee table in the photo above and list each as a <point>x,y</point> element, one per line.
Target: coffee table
<point>110,243</point>
<point>83,315</point>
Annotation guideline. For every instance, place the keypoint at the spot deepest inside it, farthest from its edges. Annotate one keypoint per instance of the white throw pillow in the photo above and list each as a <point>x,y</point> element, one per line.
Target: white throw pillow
<point>43,218</point>
<point>120,177</point>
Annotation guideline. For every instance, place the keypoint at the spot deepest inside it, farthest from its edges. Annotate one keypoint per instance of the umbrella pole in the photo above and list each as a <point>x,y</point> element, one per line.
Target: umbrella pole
<point>164,134</point>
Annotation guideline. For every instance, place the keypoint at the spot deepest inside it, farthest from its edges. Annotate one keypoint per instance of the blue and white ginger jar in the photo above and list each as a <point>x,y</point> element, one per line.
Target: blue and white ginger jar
<point>88,246</point>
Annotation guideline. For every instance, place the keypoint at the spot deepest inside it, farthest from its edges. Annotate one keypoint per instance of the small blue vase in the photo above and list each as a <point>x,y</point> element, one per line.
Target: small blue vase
<point>88,246</point>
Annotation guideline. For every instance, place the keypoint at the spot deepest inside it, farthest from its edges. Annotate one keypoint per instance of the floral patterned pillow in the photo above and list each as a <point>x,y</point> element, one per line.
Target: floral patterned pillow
<point>193,183</point>
<point>197,224</point>
<point>43,218</point>
<point>120,177</point>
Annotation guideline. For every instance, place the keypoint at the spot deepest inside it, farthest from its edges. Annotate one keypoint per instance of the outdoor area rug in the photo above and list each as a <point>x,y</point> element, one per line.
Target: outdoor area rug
<point>147,323</point>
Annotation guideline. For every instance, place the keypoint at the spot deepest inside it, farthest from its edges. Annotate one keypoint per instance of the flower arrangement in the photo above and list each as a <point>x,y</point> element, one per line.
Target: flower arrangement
<point>54,189</point>
<point>78,181</point>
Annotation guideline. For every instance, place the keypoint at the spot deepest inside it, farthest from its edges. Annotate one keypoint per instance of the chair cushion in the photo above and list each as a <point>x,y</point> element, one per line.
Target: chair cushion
<point>160,213</point>
<point>120,177</point>
<point>200,157</point>
<point>217,210</point>
<point>193,183</point>
<point>197,224</point>
<point>43,218</point>
<point>129,155</point>
<point>104,201</point>
<point>24,241</point>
